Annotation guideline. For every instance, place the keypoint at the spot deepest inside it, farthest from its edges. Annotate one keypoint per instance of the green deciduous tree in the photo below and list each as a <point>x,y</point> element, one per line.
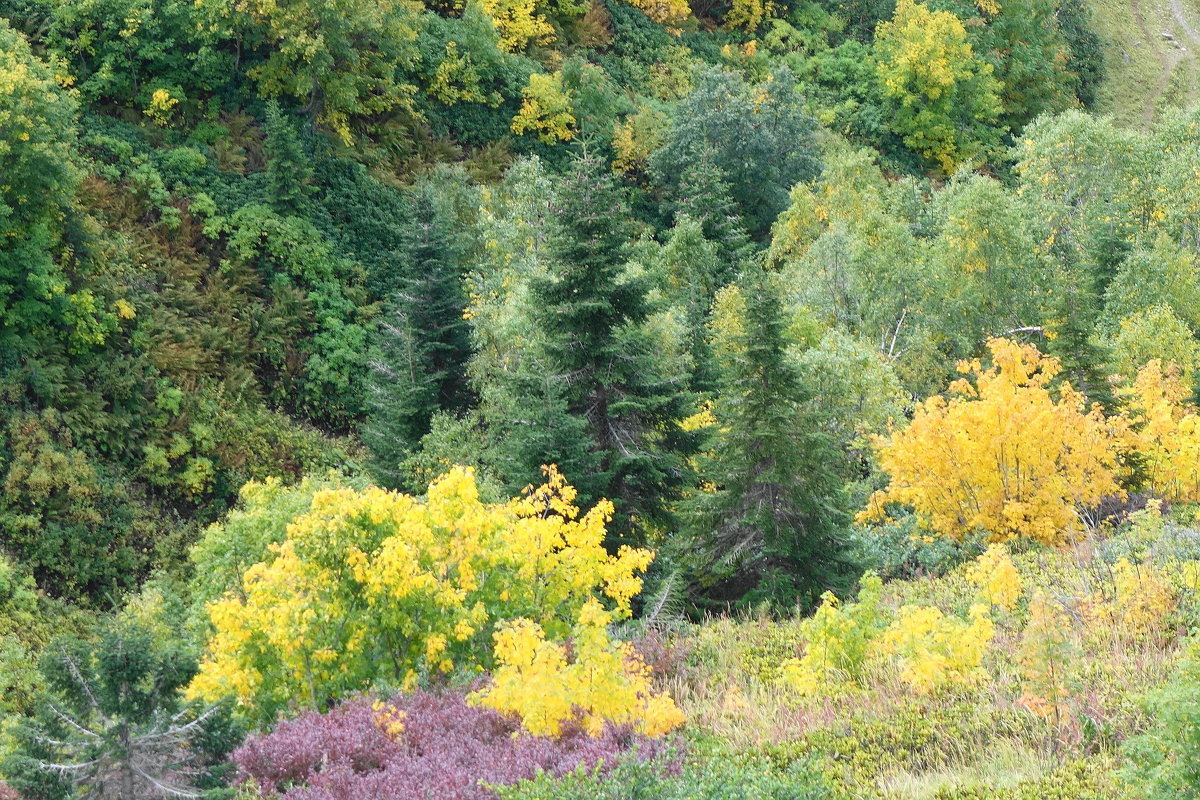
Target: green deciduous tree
<point>1031,59</point>
<point>37,160</point>
<point>338,60</point>
<point>123,51</point>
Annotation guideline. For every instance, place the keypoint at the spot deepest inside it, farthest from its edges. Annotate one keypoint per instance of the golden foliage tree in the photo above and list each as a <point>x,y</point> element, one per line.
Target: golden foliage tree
<point>545,109</point>
<point>1001,454</point>
<point>604,681</point>
<point>519,23</point>
<point>1167,432</point>
<point>374,585</point>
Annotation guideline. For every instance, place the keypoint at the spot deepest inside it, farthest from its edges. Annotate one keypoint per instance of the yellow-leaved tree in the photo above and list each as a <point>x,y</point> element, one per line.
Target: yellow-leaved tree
<point>603,682</point>
<point>1166,432</point>
<point>1001,454</point>
<point>545,109</point>
<point>519,23</point>
<point>943,98</point>
<point>372,586</point>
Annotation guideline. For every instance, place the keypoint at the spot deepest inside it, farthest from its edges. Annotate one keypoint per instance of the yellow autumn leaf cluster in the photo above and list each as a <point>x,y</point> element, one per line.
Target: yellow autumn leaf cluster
<point>926,648</point>
<point>372,585</point>
<point>545,109</point>
<point>926,63</point>
<point>1001,454</point>
<point>388,719</point>
<point>518,23</point>
<point>671,13</point>
<point>933,650</point>
<point>604,681</point>
<point>1166,432</point>
<point>996,577</point>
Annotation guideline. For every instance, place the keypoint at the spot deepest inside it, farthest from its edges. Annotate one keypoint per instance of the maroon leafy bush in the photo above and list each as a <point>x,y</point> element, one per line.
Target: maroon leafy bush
<point>447,751</point>
<point>6,793</point>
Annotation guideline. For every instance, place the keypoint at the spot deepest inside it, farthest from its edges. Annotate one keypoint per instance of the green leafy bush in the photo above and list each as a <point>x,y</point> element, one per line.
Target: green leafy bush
<point>1165,760</point>
<point>722,778</point>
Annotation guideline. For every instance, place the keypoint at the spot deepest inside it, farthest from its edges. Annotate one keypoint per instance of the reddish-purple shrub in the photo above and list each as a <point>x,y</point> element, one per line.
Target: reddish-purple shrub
<point>7,792</point>
<point>447,750</point>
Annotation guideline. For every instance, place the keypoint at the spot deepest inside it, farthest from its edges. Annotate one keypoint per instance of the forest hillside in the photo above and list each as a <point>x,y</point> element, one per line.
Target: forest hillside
<point>616,399</point>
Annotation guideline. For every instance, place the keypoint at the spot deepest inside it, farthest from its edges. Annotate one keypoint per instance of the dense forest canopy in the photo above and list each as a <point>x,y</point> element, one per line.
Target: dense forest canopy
<point>565,398</point>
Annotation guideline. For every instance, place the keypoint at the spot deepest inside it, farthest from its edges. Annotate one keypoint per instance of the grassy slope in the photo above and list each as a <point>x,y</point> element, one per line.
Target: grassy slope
<point>885,743</point>
<point>1147,72</point>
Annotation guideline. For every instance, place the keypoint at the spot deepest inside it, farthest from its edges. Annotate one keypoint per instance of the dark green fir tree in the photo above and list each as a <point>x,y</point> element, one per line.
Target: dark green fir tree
<point>771,529</point>
<point>423,344</point>
<point>598,364</point>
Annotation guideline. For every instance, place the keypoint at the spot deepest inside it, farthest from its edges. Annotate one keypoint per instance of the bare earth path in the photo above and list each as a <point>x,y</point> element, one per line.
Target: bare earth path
<point>1181,18</point>
<point>1152,57</point>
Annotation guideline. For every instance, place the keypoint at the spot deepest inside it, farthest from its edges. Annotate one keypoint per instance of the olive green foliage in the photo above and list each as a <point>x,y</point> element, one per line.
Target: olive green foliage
<point>721,778</point>
<point>38,160</point>
<point>1165,760</point>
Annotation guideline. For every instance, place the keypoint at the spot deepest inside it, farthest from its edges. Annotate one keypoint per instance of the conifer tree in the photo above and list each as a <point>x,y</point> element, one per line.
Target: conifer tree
<point>771,528</point>
<point>704,195</point>
<point>591,317</point>
<point>693,268</point>
<point>111,724</point>
<point>289,167</point>
<point>423,343</point>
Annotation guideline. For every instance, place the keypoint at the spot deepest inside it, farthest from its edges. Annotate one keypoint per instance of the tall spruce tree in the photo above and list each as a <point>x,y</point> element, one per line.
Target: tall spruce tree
<point>772,528</point>
<point>423,343</point>
<point>704,195</point>
<point>289,166</point>
<point>596,357</point>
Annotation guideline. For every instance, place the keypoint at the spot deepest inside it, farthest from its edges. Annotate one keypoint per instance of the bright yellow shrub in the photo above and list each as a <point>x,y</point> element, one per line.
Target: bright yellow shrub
<point>996,577</point>
<point>1001,454</point>
<point>934,651</point>
<point>389,719</point>
<point>162,106</point>
<point>605,681</point>
<point>671,13</point>
<point>519,23</point>
<point>838,642</point>
<point>545,109</point>
<point>1168,436</point>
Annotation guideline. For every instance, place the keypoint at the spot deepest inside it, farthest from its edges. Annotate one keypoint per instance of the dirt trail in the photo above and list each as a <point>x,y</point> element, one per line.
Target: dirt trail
<point>1185,26</point>
<point>1168,61</point>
